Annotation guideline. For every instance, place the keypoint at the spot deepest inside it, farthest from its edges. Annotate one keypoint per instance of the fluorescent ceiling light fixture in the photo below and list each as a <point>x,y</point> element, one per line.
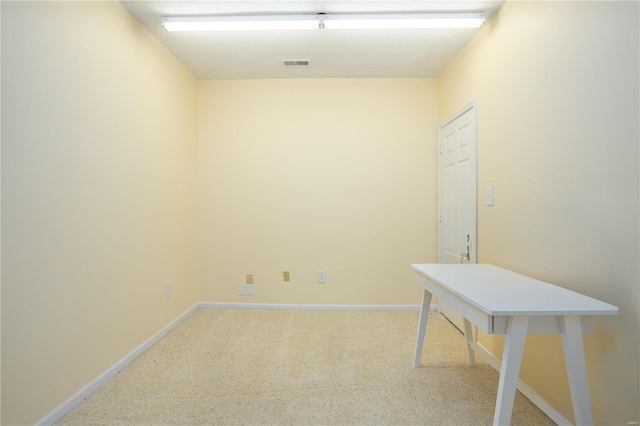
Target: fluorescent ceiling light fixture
<point>323,21</point>
<point>404,21</point>
<point>240,23</point>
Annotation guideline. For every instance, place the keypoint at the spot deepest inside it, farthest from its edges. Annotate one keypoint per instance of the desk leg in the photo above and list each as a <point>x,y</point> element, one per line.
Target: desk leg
<point>422,327</point>
<point>468,337</point>
<point>571,331</point>
<point>510,368</point>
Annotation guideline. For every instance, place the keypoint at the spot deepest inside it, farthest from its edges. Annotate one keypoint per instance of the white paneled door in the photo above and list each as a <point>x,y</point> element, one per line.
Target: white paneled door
<point>457,194</point>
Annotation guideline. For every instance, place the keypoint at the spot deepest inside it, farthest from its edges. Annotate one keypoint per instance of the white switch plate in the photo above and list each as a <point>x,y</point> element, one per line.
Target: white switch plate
<point>167,290</point>
<point>241,289</point>
<point>489,195</point>
<point>249,288</point>
<point>322,276</point>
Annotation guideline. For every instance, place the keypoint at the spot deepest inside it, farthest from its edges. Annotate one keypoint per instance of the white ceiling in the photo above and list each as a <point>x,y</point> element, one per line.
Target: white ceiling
<point>332,54</point>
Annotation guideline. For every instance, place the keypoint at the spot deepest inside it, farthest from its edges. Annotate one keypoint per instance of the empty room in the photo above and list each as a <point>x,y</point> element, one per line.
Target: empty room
<point>320,212</point>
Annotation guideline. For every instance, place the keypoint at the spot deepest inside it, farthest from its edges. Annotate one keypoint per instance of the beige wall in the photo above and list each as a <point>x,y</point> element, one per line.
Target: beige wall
<point>558,107</point>
<point>98,199</point>
<point>300,175</point>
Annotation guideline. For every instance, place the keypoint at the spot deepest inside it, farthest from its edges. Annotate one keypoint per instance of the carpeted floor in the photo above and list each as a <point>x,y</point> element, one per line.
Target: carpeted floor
<point>238,367</point>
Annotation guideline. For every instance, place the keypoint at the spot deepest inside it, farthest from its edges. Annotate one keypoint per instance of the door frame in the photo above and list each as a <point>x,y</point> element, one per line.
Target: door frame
<point>473,105</point>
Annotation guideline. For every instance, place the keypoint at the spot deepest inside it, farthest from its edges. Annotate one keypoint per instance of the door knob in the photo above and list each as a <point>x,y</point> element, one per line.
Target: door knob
<point>467,254</point>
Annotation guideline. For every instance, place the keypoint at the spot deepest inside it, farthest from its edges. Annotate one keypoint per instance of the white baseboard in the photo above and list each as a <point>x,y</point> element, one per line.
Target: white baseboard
<point>83,393</point>
<point>526,390</point>
<point>302,307</point>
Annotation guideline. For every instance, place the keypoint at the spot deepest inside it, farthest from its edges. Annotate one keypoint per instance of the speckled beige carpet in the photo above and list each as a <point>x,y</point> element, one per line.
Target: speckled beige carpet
<point>238,367</point>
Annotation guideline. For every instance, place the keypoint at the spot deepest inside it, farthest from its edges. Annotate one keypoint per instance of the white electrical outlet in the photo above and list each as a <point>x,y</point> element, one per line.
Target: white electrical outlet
<point>167,290</point>
<point>242,289</point>
<point>322,276</point>
<point>249,288</point>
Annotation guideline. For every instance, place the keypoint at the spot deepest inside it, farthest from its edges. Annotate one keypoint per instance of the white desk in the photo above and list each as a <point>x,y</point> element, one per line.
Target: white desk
<point>503,302</point>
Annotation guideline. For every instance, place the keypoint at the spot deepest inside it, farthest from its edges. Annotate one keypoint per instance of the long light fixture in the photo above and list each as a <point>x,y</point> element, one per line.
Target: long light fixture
<point>404,21</point>
<point>323,21</point>
<point>240,22</point>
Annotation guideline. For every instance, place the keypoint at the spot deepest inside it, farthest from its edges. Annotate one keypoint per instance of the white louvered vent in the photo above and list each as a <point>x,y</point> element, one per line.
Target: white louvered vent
<point>295,62</point>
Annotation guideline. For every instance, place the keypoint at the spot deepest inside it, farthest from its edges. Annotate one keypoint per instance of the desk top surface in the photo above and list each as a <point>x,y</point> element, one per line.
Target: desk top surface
<point>500,292</point>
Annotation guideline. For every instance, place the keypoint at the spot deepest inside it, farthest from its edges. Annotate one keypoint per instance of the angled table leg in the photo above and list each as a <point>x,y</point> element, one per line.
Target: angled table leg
<point>422,327</point>
<point>468,337</point>
<point>510,368</point>
<point>571,331</point>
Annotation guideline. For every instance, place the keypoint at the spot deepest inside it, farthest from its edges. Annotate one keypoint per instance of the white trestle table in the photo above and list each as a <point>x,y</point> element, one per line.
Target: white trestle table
<point>499,301</point>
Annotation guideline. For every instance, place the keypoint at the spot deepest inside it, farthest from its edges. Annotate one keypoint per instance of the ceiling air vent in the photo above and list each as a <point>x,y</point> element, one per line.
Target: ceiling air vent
<point>295,62</point>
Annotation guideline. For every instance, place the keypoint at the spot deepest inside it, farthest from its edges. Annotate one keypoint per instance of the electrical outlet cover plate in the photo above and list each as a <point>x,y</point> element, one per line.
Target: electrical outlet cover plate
<point>286,276</point>
<point>249,289</point>
<point>167,290</point>
<point>241,289</point>
<point>322,276</point>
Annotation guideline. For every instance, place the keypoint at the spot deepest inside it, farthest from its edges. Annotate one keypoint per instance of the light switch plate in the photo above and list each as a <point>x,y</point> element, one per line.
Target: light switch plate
<point>489,195</point>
